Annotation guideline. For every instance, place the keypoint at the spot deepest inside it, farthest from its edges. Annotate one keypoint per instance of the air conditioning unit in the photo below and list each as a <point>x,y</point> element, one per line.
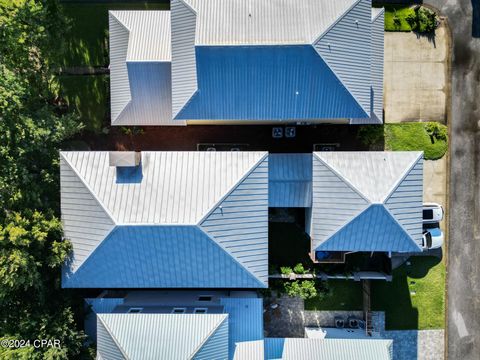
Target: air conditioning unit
<point>124,158</point>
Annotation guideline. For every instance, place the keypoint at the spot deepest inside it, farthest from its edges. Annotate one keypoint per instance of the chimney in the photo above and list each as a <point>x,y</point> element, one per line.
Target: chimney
<point>124,158</point>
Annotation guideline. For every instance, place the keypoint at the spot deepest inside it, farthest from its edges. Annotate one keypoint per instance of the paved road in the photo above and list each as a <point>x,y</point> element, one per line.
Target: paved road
<point>464,248</point>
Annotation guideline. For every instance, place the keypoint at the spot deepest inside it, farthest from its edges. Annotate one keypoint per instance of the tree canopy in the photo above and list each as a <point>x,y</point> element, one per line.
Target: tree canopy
<point>32,129</point>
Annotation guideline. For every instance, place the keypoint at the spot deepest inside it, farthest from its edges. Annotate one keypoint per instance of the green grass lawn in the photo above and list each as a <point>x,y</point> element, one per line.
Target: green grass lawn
<point>88,95</point>
<point>343,295</point>
<point>415,299</point>
<point>87,42</point>
<point>399,11</point>
<point>413,136</point>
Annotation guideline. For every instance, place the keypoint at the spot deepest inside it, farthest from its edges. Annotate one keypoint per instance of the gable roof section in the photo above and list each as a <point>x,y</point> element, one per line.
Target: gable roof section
<point>374,174</point>
<point>184,71</point>
<point>290,180</point>
<point>85,222</point>
<point>163,336</point>
<point>180,221</point>
<point>346,48</point>
<point>335,202</point>
<point>140,68</point>
<point>360,197</point>
<point>323,349</point>
<point>373,228</point>
<point>214,51</point>
<point>240,222</point>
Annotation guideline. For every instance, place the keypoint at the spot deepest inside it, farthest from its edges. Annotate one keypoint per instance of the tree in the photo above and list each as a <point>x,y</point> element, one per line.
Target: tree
<point>32,129</point>
<point>305,289</point>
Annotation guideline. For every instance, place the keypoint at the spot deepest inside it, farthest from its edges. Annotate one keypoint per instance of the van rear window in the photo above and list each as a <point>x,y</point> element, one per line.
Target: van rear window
<point>428,214</point>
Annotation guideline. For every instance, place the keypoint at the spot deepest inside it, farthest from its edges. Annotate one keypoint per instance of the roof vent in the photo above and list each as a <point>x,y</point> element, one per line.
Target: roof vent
<point>124,158</point>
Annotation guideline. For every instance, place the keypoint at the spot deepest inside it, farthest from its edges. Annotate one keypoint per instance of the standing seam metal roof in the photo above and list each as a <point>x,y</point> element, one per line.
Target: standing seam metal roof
<point>330,27</point>
<point>222,193</point>
<point>140,68</point>
<point>326,349</point>
<point>345,185</point>
<point>162,336</point>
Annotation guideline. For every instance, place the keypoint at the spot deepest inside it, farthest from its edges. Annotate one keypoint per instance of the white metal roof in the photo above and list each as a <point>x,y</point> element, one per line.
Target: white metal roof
<point>159,336</point>
<point>374,174</point>
<point>175,187</point>
<point>345,184</point>
<point>149,34</point>
<point>224,194</point>
<point>326,349</point>
<point>140,68</point>
<point>339,31</point>
<point>257,22</point>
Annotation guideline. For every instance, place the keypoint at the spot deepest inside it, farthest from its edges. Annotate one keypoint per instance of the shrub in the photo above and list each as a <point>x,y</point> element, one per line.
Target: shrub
<point>305,289</point>
<point>411,19</point>
<point>286,270</point>
<point>436,130</point>
<point>370,135</point>
<point>426,20</point>
<point>396,21</point>
<point>299,269</point>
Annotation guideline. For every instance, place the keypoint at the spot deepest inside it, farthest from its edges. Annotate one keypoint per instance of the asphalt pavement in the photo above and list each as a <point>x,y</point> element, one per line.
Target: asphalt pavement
<point>463,278</point>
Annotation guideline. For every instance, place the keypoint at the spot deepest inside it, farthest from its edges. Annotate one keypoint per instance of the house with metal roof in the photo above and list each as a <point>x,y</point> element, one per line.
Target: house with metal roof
<point>366,201</point>
<point>213,325</point>
<point>165,219</point>
<point>175,324</point>
<point>231,60</point>
<point>200,219</point>
<point>326,349</point>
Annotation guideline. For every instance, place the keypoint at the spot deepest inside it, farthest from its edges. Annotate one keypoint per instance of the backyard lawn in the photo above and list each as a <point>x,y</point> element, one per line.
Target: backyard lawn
<point>400,12</point>
<point>343,295</point>
<point>415,299</point>
<point>414,136</point>
<point>87,43</point>
<point>88,95</point>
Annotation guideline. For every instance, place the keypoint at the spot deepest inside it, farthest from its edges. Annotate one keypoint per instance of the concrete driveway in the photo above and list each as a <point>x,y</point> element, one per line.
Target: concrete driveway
<point>416,69</point>
<point>435,184</point>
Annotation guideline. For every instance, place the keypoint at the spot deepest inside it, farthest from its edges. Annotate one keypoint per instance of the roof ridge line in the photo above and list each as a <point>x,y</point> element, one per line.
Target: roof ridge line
<point>190,7</point>
<point>120,22</point>
<point>404,175</point>
<point>346,224</point>
<point>100,244</point>
<point>117,20</point>
<point>88,187</point>
<point>232,189</point>
<point>229,254</point>
<point>317,40</point>
<point>401,226</point>
<point>199,347</point>
<point>124,108</point>
<point>181,108</point>
<point>339,80</point>
<point>324,32</point>
<point>382,11</point>
<point>345,180</point>
<point>115,340</point>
